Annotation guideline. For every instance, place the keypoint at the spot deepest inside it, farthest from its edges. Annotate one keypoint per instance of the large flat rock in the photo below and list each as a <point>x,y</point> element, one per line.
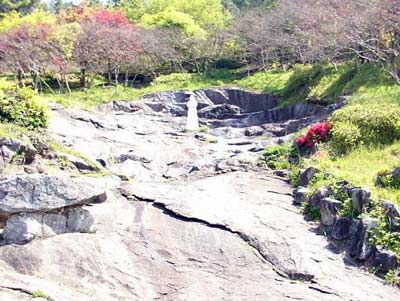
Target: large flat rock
<point>43,193</point>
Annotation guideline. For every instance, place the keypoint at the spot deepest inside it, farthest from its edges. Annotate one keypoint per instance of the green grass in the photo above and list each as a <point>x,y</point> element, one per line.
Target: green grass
<point>87,98</point>
<point>361,167</point>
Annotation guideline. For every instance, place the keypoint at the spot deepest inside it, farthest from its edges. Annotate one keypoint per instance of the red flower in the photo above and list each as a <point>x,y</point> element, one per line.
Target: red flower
<point>319,132</point>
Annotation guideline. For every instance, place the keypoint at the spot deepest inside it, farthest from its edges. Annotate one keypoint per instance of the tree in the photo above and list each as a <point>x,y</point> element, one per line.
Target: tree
<point>106,43</point>
<point>26,50</point>
<point>21,6</point>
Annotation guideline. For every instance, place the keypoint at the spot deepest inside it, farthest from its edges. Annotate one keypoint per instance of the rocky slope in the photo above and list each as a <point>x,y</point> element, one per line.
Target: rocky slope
<point>187,216</point>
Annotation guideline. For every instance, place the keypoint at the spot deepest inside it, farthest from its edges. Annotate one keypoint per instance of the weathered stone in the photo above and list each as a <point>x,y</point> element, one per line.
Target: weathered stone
<point>344,228</point>
<point>254,131</point>
<point>360,198</point>
<point>222,111</point>
<point>80,164</point>
<point>43,193</point>
<point>393,214</point>
<point>79,220</point>
<point>329,209</point>
<point>301,195</point>
<point>53,224</point>
<point>23,228</point>
<point>360,248</point>
<point>384,260</point>
<point>9,147</point>
<point>307,175</point>
<point>319,195</point>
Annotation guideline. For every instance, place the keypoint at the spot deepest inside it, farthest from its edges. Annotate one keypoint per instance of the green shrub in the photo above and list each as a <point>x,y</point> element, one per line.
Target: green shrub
<point>376,124</point>
<point>279,156</point>
<point>20,107</point>
<point>391,278</point>
<point>345,136</point>
<point>312,212</point>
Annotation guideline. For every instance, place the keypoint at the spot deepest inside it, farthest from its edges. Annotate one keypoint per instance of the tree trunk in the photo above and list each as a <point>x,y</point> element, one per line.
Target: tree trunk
<point>116,80</point>
<point>126,79</point>
<point>83,77</point>
<point>20,76</point>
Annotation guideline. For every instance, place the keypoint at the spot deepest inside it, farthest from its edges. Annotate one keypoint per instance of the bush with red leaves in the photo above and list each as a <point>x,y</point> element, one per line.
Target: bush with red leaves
<point>319,132</point>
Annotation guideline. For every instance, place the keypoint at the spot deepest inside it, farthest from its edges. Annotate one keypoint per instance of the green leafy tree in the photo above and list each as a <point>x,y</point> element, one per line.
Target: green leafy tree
<point>194,17</point>
<point>21,6</point>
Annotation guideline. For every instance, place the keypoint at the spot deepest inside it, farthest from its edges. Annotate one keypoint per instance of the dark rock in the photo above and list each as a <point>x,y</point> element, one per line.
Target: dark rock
<point>22,228</point>
<point>384,260</point>
<point>254,131</point>
<point>283,174</point>
<point>319,195</point>
<point>10,147</point>
<point>360,198</point>
<point>79,220</point>
<point>301,195</point>
<point>360,248</point>
<point>344,228</point>
<point>393,213</point>
<point>307,175</point>
<point>80,163</point>
<point>222,111</point>
<point>329,209</point>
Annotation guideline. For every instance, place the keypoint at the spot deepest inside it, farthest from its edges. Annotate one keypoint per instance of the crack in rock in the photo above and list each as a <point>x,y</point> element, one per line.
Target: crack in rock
<point>248,240</point>
<point>24,291</point>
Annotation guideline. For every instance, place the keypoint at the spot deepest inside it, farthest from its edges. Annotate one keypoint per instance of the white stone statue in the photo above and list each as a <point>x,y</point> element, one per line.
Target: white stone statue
<point>192,123</point>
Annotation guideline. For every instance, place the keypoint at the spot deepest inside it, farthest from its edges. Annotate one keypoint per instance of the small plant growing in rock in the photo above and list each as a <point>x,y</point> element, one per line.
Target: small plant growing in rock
<point>280,156</point>
<point>311,211</point>
<point>40,294</point>
<point>392,278</point>
<point>204,129</point>
<point>211,140</point>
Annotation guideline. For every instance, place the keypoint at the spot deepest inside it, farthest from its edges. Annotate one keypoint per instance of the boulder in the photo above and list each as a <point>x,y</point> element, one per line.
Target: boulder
<point>9,147</point>
<point>360,248</point>
<point>81,164</point>
<point>344,228</point>
<point>254,131</point>
<point>301,195</point>
<point>79,220</point>
<point>329,209</point>
<point>44,193</point>
<point>319,195</point>
<point>222,111</point>
<point>24,227</point>
<point>384,260</point>
<point>307,175</point>
<point>360,198</point>
<point>393,213</point>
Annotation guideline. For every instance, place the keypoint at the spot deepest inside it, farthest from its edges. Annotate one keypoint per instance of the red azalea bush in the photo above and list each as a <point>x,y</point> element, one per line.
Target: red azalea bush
<point>319,132</point>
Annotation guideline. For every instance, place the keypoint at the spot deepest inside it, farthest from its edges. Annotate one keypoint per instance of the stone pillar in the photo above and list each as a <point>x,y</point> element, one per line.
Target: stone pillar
<point>192,123</point>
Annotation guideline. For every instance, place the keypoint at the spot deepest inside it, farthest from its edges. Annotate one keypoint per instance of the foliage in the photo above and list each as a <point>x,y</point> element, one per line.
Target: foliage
<point>14,20</point>
<point>17,5</point>
<point>372,124</point>
<point>40,294</point>
<point>345,136</point>
<point>20,106</point>
<point>278,156</point>
<point>391,278</point>
<point>385,179</point>
<point>317,133</point>
<point>383,236</point>
<point>312,212</point>
<point>204,13</point>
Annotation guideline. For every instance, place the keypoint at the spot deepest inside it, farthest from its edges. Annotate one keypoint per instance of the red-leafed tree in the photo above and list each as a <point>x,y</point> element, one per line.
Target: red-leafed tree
<point>107,43</point>
<point>27,50</point>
